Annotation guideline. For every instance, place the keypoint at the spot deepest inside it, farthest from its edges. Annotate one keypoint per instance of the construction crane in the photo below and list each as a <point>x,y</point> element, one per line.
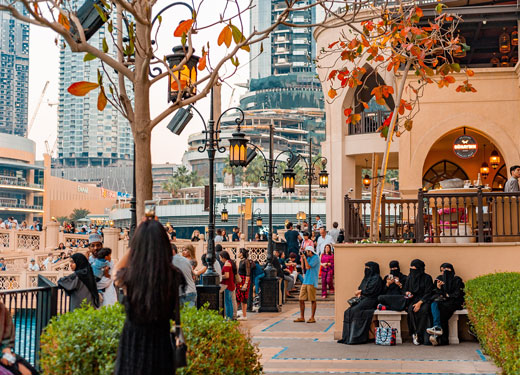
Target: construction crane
<point>29,127</point>
<point>49,150</point>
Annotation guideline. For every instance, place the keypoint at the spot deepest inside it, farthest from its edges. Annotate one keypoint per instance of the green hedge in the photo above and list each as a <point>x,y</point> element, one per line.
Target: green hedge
<point>85,342</point>
<point>493,303</point>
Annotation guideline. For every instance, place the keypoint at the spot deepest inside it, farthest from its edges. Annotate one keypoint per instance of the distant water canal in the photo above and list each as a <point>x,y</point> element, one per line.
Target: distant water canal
<point>25,334</point>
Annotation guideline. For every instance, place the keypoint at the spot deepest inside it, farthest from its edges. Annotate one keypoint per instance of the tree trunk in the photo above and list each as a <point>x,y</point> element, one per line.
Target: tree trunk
<point>381,179</point>
<point>143,171</point>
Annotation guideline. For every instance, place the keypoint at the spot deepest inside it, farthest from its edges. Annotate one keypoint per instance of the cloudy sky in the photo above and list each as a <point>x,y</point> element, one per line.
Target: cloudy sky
<point>166,147</point>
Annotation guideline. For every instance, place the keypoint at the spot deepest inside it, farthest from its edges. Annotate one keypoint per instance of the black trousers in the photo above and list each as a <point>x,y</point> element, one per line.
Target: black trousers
<point>357,320</point>
<point>419,321</point>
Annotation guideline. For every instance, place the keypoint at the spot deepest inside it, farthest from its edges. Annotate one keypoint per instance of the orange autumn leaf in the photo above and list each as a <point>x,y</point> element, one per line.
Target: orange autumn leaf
<point>64,21</point>
<point>419,12</point>
<point>470,73</point>
<point>332,93</point>
<point>355,118</point>
<point>202,62</point>
<point>450,79</point>
<point>101,100</point>
<point>82,88</point>
<point>183,28</point>
<point>347,112</point>
<point>225,36</point>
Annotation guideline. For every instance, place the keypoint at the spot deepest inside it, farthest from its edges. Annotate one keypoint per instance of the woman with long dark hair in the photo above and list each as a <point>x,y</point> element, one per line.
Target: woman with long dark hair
<point>151,286</point>
<point>228,279</point>
<point>80,285</point>
<point>357,318</point>
<point>242,288</point>
<point>418,292</point>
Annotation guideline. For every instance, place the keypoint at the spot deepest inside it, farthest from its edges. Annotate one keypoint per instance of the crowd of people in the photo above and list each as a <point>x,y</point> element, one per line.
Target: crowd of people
<point>428,303</point>
<point>12,223</point>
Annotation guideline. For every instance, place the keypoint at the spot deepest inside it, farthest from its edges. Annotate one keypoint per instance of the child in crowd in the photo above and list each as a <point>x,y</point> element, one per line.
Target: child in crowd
<point>101,264</point>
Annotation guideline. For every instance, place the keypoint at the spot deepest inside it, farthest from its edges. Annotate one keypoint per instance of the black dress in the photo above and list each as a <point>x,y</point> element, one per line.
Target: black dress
<point>144,346</point>
<point>358,318</point>
<point>449,298</point>
<point>420,284</point>
<point>393,296</point>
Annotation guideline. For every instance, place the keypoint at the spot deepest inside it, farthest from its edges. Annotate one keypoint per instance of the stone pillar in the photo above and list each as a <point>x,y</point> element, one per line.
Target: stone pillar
<point>52,230</point>
<point>111,240</point>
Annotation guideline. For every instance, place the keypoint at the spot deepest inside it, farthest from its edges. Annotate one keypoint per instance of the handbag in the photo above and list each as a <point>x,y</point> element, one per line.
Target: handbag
<point>4,371</point>
<point>354,301</point>
<point>177,340</point>
<point>386,335</point>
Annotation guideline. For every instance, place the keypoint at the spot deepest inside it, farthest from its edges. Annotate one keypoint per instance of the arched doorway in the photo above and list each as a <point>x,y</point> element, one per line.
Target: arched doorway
<point>445,161</point>
<point>500,179</point>
<point>443,170</point>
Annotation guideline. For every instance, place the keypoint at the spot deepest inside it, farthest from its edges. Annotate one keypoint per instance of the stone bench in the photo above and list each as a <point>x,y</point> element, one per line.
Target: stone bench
<point>393,318</point>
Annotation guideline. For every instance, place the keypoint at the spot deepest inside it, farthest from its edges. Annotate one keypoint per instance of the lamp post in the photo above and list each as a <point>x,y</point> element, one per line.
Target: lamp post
<point>323,178</point>
<point>258,221</point>
<point>240,155</point>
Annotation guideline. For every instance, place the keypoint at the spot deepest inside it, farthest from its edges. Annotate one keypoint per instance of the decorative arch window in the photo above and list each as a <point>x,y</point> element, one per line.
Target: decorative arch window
<point>500,179</point>
<point>443,170</point>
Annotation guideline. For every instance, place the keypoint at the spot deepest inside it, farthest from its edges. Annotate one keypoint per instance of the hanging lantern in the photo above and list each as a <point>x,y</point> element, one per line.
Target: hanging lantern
<point>187,76</point>
<point>301,215</point>
<point>288,180</point>
<point>224,215</point>
<point>514,37</point>
<point>513,61</point>
<point>324,179</point>
<point>238,149</point>
<point>504,42</point>
<point>366,181</point>
<point>484,170</point>
<point>494,159</point>
<point>460,52</point>
<point>504,61</point>
<point>259,221</point>
<point>495,60</point>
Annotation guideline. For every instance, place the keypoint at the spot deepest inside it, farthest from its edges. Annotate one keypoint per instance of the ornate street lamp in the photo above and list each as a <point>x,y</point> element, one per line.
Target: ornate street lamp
<point>494,159</point>
<point>259,221</point>
<point>224,215</point>
<point>186,76</point>
<point>288,180</point>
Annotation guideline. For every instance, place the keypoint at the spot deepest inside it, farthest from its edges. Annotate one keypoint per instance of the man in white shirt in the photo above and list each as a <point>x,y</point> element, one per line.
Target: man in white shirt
<point>33,266</point>
<point>511,186</point>
<point>2,224</point>
<point>189,293</point>
<point>47,261</point>
<point>323,240</point>
<point>218,237</point>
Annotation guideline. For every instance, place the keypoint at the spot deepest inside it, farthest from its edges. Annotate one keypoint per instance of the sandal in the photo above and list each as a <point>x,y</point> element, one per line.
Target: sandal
<point>299,320</point>
<point>311,320</point>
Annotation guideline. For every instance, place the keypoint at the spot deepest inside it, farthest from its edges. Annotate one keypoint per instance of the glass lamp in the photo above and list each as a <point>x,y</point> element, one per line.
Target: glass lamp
<point>366,181</point>
<point>495,60</point>
<point>187,75</point>
<point>259,221</point>
<point>504,61</point>
<point>238,149</point>
<point>224,215</point>
<point>504,42</point>
<point>514,37</point>
<point>324,179</point>
<point>288,180</point>
<point>484,170</point>
<point>494,159</point>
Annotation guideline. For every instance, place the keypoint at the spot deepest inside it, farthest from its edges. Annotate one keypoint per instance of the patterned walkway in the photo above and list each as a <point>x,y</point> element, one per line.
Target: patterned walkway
<point>300,348</point>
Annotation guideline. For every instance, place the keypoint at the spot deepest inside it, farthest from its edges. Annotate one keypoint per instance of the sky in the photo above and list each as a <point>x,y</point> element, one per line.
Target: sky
<point>166,147</point>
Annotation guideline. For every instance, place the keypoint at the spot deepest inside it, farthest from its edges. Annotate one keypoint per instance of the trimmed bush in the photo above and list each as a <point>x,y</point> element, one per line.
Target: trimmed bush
<point>493,303</point>
<point>85,342</point>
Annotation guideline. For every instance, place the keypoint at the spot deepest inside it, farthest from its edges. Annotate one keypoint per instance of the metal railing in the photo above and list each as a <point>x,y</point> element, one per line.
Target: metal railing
<point>17,181</point>
<point>369,122</point>
<point>397,219</point>
<point>479,216</point>
<point>31,310</point>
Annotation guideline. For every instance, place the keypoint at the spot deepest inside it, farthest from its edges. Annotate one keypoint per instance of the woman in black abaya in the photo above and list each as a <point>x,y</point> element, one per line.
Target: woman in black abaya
<point>357,318</point>
<point>418,291</point>
<point>448,298</point>
<point>392,297</point>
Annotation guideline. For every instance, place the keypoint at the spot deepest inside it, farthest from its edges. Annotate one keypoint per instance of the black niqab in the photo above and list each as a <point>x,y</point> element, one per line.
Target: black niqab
<point>84,272</point>
<point>371,275</point>
<point>397,272</point>
<point>448,276</point>
<point>415,279</point>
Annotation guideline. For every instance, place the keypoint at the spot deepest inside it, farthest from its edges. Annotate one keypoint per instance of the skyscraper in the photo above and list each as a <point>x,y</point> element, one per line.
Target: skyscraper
<point>88,137</point>
<point>14,73</point>
<point>287,50</point>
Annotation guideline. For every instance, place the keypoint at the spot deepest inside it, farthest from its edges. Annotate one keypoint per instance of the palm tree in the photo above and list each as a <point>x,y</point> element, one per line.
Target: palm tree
<point>254,171</point>
<point>236,173</point>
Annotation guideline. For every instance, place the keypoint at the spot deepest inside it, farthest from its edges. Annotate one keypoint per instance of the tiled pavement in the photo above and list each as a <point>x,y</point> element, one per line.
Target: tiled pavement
<point>300,348</point>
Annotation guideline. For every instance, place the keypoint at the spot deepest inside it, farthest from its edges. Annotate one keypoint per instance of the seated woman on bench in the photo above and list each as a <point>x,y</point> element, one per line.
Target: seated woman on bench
<point>393,293</point>
<point>358,318</point>
<point>448,297</point>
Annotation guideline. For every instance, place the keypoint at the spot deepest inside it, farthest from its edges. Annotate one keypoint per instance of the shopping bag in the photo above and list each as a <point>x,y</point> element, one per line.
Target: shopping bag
<point>385,335</point>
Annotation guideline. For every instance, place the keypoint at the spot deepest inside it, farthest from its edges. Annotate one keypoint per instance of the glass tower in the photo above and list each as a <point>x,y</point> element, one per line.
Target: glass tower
<point>88,137</point>
<point>14,73</point>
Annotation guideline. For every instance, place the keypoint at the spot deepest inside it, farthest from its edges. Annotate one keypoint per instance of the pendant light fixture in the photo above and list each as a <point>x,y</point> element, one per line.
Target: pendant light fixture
<point>513,61</point>
<point>504,42</point>
<point>504,61</point>
<point>484,168</point>
<point>366,179</point>
<point>494,159</point>
<point>514,37</point>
